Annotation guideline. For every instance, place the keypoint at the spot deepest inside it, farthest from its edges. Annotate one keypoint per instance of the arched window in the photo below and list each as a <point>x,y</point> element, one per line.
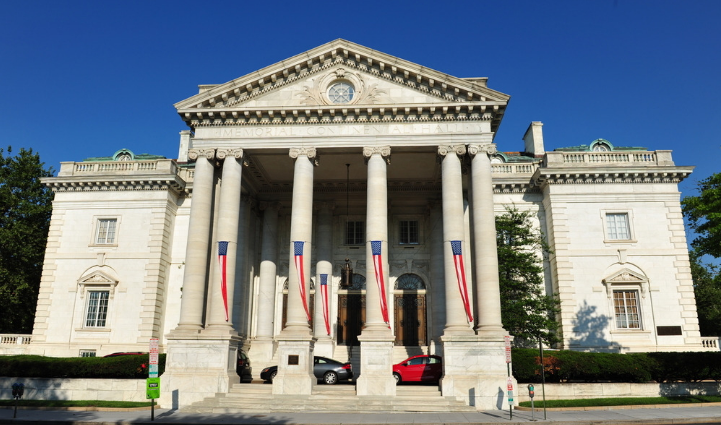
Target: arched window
<point>410,281</point>
<point>358,283</point>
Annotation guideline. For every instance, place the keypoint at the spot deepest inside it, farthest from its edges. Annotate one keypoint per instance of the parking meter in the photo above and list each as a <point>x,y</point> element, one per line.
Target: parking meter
<point>531,393</point>
<point>18,390</point>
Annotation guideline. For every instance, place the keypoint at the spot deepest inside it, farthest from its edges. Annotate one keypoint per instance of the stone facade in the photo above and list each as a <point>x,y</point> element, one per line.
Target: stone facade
<point>346,152</point>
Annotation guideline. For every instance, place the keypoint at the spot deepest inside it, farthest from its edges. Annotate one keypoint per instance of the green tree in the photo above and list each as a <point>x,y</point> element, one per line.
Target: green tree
<point>707,289</point>
<point>526,312</point>
<point>25,208</point>
<point>703,213</point>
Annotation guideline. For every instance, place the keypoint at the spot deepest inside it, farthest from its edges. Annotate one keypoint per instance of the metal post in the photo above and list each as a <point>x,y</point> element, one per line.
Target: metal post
<point>152,409</point>
<point>543,378</point>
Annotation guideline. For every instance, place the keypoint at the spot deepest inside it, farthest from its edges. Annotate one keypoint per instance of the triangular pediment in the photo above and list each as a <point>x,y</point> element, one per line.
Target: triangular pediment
<point>99,275</point>
<point>626,276</point>
<point>379,80</point>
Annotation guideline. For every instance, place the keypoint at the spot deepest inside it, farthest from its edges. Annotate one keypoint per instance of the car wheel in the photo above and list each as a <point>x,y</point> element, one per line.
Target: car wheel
<point>272,376</point>
<point>398,378</point>
<point>330,378</point>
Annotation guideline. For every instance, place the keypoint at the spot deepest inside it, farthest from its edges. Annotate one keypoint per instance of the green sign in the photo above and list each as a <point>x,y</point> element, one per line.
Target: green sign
<point>152,388</point>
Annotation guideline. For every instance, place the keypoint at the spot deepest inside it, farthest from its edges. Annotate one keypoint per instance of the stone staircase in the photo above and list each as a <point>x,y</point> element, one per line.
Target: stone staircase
<point>342,398</point>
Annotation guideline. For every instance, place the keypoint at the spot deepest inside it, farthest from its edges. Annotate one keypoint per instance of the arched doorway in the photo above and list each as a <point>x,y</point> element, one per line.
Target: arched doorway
<point>311,301</point>
<point>410,310</point>
<point>351,311</point>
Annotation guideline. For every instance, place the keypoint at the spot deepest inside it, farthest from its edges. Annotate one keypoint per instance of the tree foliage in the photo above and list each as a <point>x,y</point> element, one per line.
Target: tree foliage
<point>25,208</point>
<point>703,213</point>
<point>527,313</point>
<point>707,289</point>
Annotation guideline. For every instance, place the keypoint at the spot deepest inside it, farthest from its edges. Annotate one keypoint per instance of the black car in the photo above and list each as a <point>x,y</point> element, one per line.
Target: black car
<point>329,370</point>
<point>242,368</point>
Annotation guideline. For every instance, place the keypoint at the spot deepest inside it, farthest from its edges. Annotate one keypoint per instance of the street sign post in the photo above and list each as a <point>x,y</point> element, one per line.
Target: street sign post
<point>510,395</point>
<point>152,388</point>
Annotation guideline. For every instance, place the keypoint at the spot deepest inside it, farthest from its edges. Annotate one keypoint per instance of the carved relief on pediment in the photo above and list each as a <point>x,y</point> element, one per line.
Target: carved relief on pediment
<point>626,278</point>
<point>98,277</point>
<point>364,92</point>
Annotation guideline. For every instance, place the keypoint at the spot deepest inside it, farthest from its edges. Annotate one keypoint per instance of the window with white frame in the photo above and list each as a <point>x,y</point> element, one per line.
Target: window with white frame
<point>96,311</point>
<point>617,227</point>
<point>87,353</point>
<point>626,309</point>
<point>409,234</point>
<point>355,232</point>
<point>106,231</point>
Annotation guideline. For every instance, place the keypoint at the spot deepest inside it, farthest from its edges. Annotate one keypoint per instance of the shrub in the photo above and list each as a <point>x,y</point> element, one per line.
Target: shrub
<point>120,367</point>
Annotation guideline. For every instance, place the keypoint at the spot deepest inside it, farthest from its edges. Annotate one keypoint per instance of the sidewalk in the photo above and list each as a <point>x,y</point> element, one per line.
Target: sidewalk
<point>676,415</point>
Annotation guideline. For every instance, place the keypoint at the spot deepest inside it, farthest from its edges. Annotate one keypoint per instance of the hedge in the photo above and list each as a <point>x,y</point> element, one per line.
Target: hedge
<point>119,367</point>
<point>577,366</point>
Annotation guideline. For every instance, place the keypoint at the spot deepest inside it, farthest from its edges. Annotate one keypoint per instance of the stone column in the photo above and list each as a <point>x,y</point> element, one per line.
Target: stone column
<point>457,320</point>
<point>196,252</point>
<point>261,351</point>
<point>438,303</point>
<point>221,301</point>
<point>295,345</point>
<point>324,266</point>
<point>376,338</point>
<point>488,296</point>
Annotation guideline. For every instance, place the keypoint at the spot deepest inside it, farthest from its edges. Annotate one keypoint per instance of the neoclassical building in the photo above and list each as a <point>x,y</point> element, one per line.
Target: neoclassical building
<point>343,158</point>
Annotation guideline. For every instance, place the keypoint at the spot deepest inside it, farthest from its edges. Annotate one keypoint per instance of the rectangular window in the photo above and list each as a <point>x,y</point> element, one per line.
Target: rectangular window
<point>87,353</point>
<point>355,233</point>
<point>617,226</point>
<point>106,231</point>
<point>409,232</point>
<point>625,305</point>
<point>97,310</point>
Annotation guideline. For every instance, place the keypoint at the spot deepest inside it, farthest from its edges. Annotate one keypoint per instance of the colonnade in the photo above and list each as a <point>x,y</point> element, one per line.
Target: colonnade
<point>458,308</point>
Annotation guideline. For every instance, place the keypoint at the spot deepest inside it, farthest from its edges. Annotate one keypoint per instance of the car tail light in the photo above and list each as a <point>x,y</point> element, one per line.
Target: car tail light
<point>346,366</point>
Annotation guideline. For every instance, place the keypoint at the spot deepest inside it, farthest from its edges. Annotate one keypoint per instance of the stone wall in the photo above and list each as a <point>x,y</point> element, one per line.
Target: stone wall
<point>615,389</point>
<point>76,389</point>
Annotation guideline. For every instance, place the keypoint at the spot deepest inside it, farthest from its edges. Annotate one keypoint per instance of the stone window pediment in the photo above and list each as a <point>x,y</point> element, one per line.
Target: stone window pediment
<point>626,278</point>
<point>97,279</point>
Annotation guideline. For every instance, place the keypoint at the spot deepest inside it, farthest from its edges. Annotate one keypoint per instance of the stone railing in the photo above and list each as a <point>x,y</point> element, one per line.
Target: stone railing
<point>15,339</point>
<point>711,343</point>
<point>513,168</point>
<point>78,169</point>
<point>595,159</point>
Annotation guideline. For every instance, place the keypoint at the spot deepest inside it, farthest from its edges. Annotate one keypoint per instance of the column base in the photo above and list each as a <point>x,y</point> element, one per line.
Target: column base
<point>475,369</point>
<point>324,347</point>
<point>261,353</point>
<point>197,368</point>
<point>376,364</point>
<point>295,366</point>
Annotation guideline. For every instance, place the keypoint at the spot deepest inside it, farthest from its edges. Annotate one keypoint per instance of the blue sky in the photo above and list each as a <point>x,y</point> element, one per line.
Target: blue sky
<point>86,78</point>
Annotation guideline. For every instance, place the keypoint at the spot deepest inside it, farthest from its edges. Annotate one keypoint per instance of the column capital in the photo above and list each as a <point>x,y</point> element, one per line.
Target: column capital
<point>193,154</point>
<point>487,148</point>
<point>384,151</point>
<point>444,150</point>
<point>308,152</point>
<point>223,153</point>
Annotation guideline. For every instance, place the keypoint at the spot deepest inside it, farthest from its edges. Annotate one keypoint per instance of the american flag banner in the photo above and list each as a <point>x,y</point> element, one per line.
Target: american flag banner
<point>298,255</point>
<point>324,296</point>
<point>222,264</point>
<point>456,246</point>
<point>376,248</point>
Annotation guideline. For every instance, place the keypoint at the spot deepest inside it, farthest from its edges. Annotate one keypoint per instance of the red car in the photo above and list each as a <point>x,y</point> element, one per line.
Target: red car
<point>423,368</point>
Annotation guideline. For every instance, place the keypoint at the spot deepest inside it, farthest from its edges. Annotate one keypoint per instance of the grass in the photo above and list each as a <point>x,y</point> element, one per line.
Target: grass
<point>76,403</point>
<point>623,401</point>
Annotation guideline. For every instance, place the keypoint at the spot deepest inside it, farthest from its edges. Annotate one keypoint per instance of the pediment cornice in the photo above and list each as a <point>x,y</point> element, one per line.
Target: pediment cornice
<point>223,104</point>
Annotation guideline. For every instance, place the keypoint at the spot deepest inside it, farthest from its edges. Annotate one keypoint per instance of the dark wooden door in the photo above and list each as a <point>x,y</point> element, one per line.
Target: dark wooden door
<point>410,319</point>
<point>351,318</point>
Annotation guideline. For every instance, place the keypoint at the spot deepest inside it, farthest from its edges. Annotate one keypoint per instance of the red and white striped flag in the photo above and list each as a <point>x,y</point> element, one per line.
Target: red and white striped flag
<point>461,276</point>
<point>376,248</point>
<point>223,263</point>
<point>324,295</point>
<point>298,255</point>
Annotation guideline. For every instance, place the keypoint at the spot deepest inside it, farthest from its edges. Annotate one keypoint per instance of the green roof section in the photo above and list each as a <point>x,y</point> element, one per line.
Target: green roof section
<point>514,157</point>
<point>600,145</point>
<point>125,155</point>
